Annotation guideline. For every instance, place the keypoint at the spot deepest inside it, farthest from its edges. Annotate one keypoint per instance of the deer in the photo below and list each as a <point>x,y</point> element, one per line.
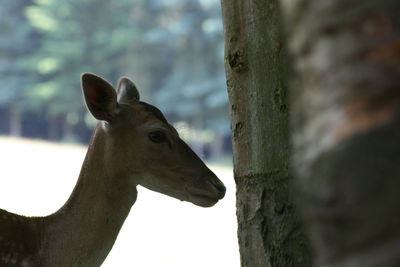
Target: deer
<point>133,144</point>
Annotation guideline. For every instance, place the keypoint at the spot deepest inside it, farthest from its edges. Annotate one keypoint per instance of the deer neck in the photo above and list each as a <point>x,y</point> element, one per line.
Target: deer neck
<point>84,230</point>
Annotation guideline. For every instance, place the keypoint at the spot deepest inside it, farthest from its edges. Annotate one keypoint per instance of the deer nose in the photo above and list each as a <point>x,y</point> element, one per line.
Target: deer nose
<point>219,186</point>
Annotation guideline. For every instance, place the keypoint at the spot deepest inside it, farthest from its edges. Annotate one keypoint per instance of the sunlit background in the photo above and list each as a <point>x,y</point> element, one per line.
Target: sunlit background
<point>173,51</point>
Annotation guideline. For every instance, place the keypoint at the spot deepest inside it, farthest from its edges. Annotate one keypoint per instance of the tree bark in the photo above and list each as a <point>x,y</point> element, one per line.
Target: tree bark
<point>269,231</point>
<point>346,127</point>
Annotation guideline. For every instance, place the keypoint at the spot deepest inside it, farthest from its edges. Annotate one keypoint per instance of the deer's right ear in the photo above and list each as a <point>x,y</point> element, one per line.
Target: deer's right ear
<point>100,97</point>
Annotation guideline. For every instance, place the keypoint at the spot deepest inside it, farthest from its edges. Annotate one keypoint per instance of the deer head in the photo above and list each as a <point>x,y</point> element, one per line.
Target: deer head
<point>142,148</point>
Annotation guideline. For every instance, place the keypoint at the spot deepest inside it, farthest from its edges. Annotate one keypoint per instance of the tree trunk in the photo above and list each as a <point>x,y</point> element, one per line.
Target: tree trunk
<point>15,120</point>
<point>66,129</point>
<point>269,231</point>
<point>53,128</point>
<point>346,123</point>
<point>217,147</point>
<point>197,143</point>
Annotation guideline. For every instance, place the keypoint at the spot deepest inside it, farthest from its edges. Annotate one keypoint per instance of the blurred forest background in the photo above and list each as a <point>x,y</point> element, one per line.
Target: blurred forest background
<point>172,50</point>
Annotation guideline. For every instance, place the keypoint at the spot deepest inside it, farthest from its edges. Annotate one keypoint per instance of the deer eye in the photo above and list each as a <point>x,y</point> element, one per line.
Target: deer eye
<point>157,137</point>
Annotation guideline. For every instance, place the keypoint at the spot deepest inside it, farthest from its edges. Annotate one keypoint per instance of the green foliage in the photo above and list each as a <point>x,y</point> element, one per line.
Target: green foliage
<point>16,32</point>
<point>172,49</point>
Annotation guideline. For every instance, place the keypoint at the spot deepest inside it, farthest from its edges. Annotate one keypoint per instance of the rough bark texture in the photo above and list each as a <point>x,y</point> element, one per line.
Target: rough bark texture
<point>269,232</point>
<point>346,122</point>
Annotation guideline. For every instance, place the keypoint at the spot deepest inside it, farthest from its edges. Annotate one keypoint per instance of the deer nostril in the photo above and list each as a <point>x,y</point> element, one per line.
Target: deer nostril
<point>219,186</point>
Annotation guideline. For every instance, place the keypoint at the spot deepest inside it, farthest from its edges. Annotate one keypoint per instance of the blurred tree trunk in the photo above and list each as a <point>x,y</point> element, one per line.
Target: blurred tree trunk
<point>15,120</point>
<point>53,127</point>
<point>217,146</point>
<point>346,122</point>
<point>67,133</point>
<point>197,123</point>
<point>269,231</point>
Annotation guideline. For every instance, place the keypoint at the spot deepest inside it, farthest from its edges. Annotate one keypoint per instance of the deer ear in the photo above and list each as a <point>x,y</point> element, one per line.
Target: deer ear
<point>127,91</point>
<point>100,97</point>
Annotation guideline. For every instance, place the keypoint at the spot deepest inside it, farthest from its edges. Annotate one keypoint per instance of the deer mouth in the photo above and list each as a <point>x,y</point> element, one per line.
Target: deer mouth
<point>208,194</point>
<point>203,200</point>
